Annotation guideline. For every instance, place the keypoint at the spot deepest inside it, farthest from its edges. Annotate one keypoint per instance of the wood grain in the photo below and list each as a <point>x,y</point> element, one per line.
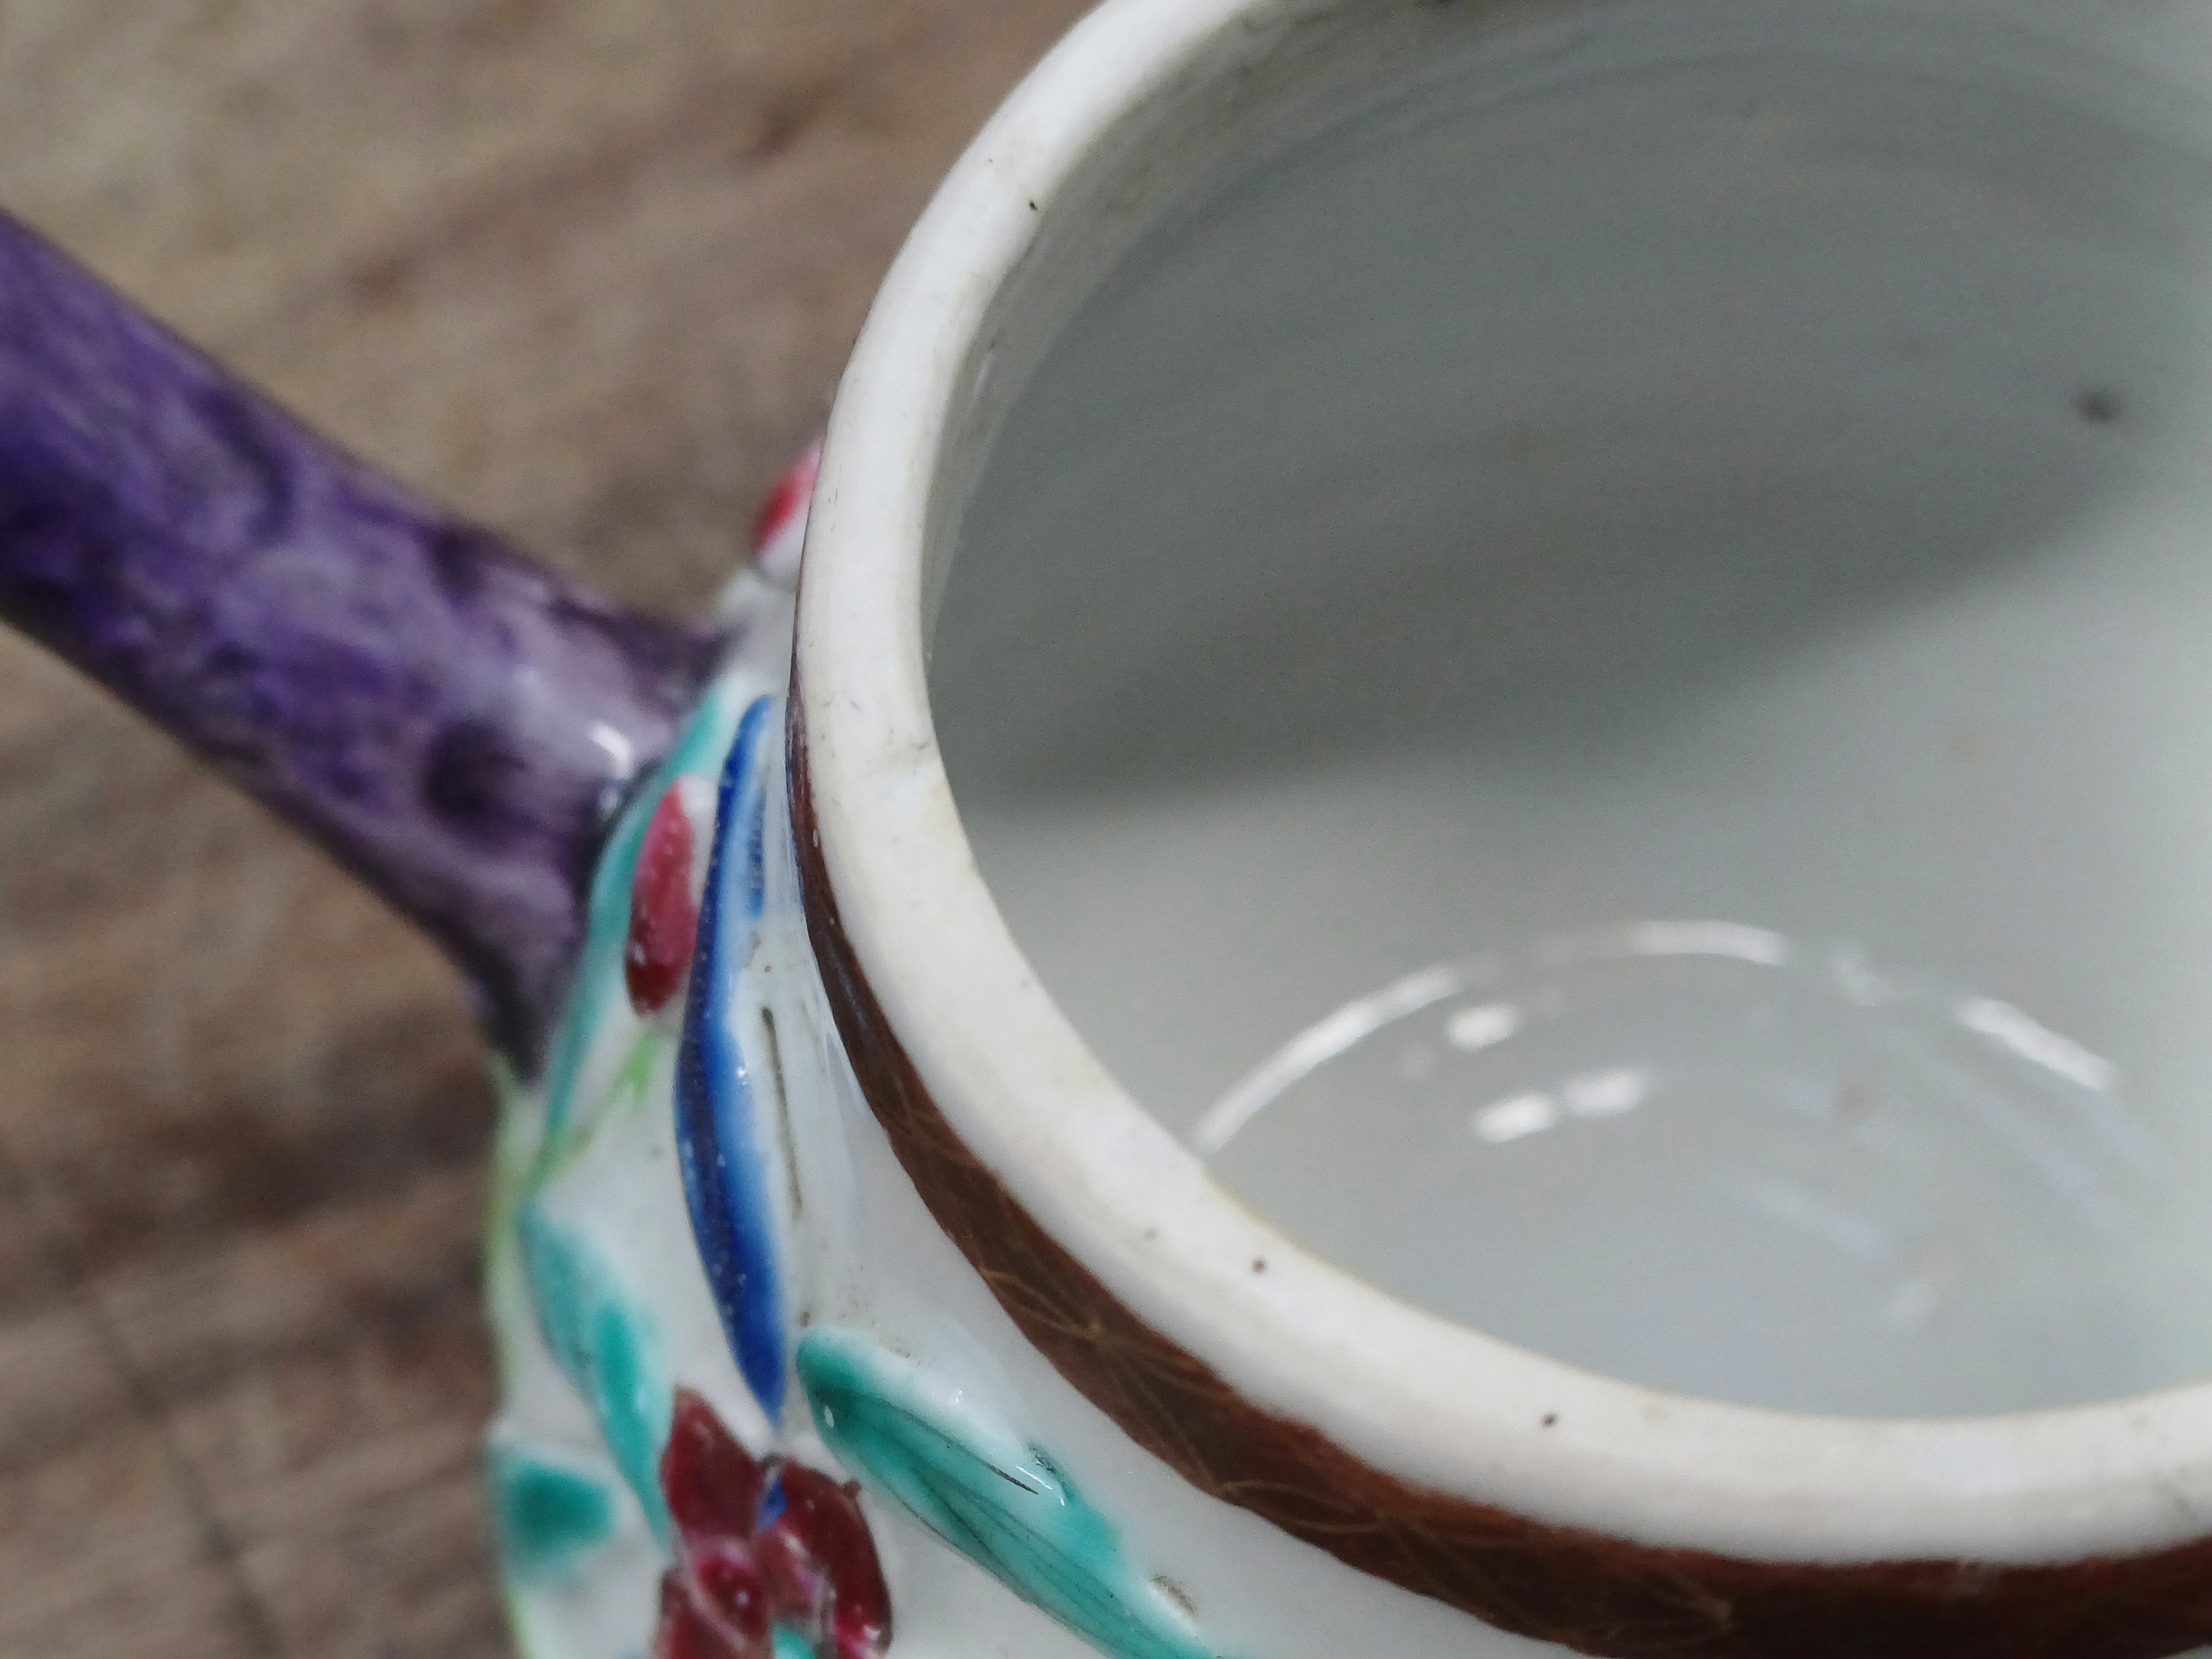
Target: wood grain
<point>588,270</point>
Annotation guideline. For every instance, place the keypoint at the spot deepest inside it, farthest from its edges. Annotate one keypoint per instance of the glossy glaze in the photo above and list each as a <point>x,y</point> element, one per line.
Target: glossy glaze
<point>863,1147</point>
<point>450,719</point>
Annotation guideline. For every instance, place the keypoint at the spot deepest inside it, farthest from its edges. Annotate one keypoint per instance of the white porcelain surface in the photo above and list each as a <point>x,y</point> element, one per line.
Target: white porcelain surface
<point>1994,218</point>
<point>1617,586</point>
<point>1646,471</point>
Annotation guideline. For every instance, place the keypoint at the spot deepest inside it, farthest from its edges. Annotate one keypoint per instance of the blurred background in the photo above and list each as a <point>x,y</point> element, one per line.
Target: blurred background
<point>588,269</point>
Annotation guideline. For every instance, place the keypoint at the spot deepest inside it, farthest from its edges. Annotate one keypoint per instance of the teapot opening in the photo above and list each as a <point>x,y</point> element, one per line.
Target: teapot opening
<point>1736,467</point>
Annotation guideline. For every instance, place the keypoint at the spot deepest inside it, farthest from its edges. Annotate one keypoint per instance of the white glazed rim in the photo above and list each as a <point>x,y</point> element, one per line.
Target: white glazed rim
<point>1435,1404</point>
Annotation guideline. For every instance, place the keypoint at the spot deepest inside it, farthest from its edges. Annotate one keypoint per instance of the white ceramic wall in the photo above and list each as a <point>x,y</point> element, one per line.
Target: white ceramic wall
<point>1734,461</point>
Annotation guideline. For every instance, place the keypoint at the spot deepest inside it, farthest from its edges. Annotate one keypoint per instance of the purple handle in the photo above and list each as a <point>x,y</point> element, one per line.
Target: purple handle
<point>451,721</point>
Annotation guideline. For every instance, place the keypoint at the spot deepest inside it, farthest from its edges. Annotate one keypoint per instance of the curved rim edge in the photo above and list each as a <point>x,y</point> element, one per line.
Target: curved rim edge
<point>1386,1382</point>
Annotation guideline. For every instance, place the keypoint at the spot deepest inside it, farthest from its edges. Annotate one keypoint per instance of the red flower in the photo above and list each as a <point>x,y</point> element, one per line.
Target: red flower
<point>809,1565</point>
<point>663,910</point>
<point>780,533</point>
<point>792,493</point>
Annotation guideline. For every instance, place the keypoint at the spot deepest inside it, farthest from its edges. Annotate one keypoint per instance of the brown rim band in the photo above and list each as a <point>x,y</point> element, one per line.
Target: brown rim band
<point>1596,1594</point>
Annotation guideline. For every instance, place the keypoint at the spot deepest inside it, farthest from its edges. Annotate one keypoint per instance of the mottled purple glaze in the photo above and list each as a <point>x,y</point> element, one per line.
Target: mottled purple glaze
<point>449,719</point>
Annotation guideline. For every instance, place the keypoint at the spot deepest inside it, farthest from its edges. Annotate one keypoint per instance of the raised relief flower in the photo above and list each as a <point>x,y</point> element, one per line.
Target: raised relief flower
<point>779,532</point>
<point>770,1556</point>
<point>665,895</point>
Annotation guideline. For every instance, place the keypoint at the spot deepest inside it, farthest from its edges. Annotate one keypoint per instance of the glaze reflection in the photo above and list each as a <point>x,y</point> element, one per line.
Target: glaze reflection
<point>1709,1158</point>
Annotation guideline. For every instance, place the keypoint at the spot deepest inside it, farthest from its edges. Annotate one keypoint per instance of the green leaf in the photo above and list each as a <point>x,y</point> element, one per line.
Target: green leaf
<point>549,1515</point>
<point>598,987</point>
<point>605,1345</point>
<point>916,1442</point>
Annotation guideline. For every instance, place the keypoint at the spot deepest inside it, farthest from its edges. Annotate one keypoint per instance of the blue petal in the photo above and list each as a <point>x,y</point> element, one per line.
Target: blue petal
<point>724,1182</point>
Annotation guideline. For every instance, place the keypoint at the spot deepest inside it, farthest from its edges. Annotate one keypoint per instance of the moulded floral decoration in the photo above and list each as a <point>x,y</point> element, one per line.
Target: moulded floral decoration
<point>665,895</point>
<point>774,1560</point>
<point>724,1157</point>
<point>779,532</point>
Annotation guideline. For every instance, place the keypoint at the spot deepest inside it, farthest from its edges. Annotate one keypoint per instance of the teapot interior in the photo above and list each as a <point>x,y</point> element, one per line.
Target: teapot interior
<point>1740,469</point>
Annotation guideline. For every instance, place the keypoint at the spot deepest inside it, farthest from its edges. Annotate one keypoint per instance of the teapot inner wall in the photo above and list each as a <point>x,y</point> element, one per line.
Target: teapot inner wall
<point>1748,472</point>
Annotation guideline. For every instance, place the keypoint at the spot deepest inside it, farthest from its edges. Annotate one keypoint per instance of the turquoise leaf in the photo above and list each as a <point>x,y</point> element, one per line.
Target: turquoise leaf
<point>548,1516</point>
<point>915,1441</point>
<point>606,926</point>
<point>604,1346</point>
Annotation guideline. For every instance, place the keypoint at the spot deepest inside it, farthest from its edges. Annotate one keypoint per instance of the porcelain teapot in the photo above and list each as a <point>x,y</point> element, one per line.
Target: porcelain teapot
<point>1498,502</point>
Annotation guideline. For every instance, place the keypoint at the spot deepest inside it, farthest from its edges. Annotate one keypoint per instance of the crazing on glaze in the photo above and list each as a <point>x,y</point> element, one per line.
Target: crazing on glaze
<point>654,1486</point>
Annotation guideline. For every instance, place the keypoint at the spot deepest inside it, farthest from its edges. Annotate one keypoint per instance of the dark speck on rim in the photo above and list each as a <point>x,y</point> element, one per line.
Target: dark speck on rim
<point>2099,405</point>
<point>1551,1419</point>
<point>1259,1264</point>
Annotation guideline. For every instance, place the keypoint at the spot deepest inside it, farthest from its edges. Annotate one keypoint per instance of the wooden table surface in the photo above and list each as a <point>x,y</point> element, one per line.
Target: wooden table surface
<point>589,269</point>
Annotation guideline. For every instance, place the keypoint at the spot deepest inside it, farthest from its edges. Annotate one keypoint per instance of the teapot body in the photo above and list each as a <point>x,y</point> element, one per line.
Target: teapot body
<point>720,1305</point>
<point>846,1300</point>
